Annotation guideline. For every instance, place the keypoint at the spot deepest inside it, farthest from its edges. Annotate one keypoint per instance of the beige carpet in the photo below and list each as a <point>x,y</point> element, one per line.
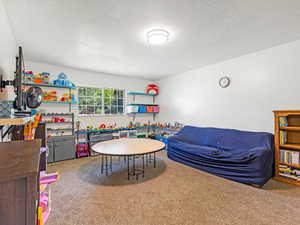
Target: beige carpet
<point>170,194</point>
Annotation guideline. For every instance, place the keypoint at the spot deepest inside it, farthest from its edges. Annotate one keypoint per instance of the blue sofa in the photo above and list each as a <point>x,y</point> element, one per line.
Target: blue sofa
<point>242,156</point>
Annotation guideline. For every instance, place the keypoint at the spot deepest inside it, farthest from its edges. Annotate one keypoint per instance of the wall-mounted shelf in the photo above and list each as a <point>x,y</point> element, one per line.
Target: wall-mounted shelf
<point>135,113</point>
<point>134,94</point>
<point>54,86</point>
<point>141,93</point>
<point>61,102</point>
<point>48,85</point>
<point>142,112</point>
<point>61,126</point>
<point>68,122</point>
<point>142,105</point>
<point>57,114</point>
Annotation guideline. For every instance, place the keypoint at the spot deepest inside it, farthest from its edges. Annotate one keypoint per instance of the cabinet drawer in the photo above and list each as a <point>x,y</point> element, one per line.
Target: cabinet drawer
<point>63,138</point>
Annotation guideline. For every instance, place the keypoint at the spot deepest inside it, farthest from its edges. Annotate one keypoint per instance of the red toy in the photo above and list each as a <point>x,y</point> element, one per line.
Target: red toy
<point>102,126</point>
<point>152,89</point>
<point>57,119</point>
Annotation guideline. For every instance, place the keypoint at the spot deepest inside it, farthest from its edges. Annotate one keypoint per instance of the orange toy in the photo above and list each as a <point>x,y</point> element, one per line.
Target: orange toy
<point>66,98</point>
<point>30,127</point>
<point>50,96</point>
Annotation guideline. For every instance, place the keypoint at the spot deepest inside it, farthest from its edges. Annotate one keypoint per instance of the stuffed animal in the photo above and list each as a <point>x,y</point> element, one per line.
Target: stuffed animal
<point>152,89</point>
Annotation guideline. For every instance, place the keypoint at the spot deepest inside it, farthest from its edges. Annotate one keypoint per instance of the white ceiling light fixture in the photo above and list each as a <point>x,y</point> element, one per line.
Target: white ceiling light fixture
<point>158,37</point>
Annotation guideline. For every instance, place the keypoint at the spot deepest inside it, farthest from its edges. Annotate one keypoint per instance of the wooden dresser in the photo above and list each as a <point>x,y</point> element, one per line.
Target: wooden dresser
<point>19,182</point>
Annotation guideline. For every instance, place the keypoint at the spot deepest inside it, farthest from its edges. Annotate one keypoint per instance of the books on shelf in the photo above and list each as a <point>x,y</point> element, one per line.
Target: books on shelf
<point>283,137</point>
<point>291,157</point>
<point>289,172</point>
<point>283,121</point>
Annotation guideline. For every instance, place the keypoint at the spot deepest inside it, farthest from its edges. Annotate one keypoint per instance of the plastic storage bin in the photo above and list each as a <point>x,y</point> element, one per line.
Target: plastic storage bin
<point>142,109</point>
<point>132,109</point>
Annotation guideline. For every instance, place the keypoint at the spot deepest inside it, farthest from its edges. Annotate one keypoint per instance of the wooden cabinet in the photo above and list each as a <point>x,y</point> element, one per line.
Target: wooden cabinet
<point>19,182</point>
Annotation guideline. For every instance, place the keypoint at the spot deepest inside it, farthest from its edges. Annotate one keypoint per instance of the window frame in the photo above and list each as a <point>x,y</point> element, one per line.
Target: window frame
<point>102,102</point>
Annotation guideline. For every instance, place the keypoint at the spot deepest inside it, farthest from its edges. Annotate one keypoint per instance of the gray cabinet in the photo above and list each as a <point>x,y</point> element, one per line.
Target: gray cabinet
<point>61,148</point>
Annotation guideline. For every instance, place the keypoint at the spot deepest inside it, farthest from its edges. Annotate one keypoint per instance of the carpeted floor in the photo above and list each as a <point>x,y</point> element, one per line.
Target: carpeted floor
<point>170,194</point>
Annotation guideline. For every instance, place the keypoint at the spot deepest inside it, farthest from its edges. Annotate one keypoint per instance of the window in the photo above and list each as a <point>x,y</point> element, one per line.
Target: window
<point>100,101</point>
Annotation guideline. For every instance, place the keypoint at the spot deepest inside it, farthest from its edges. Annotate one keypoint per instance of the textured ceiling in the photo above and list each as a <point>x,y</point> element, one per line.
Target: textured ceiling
<point>109,36</point>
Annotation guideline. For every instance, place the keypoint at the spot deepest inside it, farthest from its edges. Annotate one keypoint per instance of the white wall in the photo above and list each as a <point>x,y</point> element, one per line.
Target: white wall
<point>261,82</point>
<point>92,79</point>
<point>8,46</point>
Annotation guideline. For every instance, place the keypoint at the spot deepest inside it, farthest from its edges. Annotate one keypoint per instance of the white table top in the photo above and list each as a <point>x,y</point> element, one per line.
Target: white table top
<point>128,146</point>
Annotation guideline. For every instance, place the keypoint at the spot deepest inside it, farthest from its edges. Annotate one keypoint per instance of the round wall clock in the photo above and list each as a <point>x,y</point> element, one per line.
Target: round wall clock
<point>224,82</point>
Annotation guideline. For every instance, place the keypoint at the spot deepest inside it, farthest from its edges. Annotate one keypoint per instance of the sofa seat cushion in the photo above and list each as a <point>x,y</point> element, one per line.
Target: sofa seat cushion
<point>215,154</point>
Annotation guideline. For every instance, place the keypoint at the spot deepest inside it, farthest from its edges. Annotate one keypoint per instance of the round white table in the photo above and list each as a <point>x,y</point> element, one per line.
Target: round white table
<point>130,148</point>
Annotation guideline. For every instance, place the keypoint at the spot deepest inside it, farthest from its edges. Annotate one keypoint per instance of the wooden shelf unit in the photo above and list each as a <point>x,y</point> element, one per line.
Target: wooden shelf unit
<point>292,129</point>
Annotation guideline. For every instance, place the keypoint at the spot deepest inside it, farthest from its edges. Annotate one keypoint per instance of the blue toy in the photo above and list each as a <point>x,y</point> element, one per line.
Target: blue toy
<point>62,80</point>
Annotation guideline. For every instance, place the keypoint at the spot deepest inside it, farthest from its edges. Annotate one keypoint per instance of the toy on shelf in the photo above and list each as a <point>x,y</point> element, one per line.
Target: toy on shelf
<point>130,125</point>
<point>112,126</point>
<point>67,97</point>
<point>152,89</point>
<point>27,77</point>
<point>30,127</point>
<point>62,80</point>
<point>89,127</point>
<point>44,207</point>
<point>49,96</point>
<point>102,126</point>
<point>41,78</point>
<point>77,125</point>
<point>49,178</point>
<point>57,119</point>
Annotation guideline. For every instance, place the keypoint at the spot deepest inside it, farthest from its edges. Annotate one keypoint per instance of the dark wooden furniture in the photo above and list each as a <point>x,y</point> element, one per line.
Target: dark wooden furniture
<point>292,142</point>
<point>19,182</point>
<point>40,133</point>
